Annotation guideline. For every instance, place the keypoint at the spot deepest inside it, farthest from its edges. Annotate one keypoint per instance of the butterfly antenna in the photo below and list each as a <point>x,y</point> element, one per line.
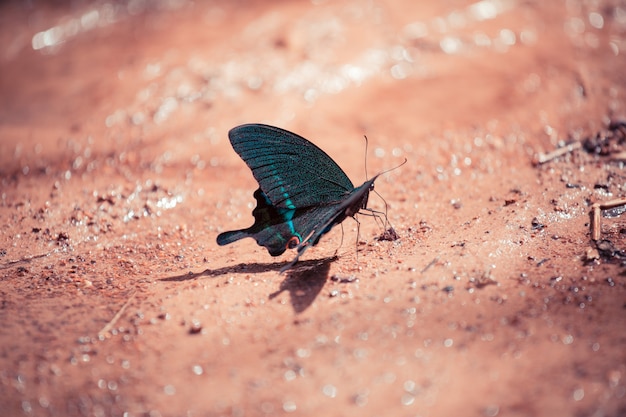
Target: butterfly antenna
<point>392,168</point>
<point>356,243</point>
<point>366,143</point>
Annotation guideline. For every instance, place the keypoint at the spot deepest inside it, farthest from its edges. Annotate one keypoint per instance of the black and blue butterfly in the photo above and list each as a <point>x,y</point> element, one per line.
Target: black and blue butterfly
<point>302,192</point>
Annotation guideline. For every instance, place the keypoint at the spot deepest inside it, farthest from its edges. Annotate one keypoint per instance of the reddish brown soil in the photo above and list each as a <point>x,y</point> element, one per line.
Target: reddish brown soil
<point>117,176</point>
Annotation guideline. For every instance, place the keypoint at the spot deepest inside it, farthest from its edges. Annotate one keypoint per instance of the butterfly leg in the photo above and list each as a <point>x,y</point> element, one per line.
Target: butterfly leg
<point>358,235</point>
<point>379,216</point>
<point>341,241</point>
<point>389,233</point>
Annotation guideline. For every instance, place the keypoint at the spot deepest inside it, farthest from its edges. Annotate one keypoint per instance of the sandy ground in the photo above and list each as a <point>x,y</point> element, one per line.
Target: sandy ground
<point>117,176</point>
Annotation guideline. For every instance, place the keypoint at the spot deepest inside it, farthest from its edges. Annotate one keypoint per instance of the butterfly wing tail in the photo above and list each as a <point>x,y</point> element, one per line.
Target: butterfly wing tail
<point>274,242</point>
<point>232,236</point>
<point>272,227</point>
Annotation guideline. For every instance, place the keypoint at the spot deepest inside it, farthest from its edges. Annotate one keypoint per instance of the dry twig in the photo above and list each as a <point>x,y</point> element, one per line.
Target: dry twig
<point>596,214</point>
<point>107,328</point>
<point>542,158</point>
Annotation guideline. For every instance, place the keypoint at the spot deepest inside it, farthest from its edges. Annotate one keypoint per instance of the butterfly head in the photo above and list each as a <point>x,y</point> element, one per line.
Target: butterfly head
<point>370,188</point>
<point>366,197</point>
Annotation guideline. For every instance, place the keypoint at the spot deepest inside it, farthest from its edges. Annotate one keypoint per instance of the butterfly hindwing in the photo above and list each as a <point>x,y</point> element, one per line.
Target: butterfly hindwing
<point>271,228</point>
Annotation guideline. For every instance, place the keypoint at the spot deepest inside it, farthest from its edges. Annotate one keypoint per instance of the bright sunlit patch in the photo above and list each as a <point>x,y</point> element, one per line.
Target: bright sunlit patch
<point>487,9</point>
<point>507,37</point>
<point>57,35</point>
<point>483,10</point>
<point>50,39</point>
<point>596,20</point>
<point>169,202</point>
<point>451,45</point>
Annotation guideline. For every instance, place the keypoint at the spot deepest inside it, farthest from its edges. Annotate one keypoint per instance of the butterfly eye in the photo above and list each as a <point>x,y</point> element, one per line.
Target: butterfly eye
<point>372,187</point>
<point>293,242</point>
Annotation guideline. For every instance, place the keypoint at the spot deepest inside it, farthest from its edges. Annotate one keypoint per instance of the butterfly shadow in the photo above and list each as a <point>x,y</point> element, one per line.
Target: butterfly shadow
<point>241,268</point>
<point>303,281</point>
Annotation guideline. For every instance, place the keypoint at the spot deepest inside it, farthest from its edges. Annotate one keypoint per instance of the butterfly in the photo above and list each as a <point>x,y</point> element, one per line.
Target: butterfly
<point>302,192</point>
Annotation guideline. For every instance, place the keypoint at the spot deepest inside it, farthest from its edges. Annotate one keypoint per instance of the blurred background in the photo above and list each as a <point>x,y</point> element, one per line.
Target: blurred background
<point>162,70</point>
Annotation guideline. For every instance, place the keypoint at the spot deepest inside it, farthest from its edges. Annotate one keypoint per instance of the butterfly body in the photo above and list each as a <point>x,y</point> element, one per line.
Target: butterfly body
<point>302,192</point>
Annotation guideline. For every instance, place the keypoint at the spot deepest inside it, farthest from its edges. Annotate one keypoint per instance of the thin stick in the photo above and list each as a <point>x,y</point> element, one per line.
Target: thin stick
<point>427,267</point>
<point>596,215</point>
<point>595,221</point>
<point>117,316</point>
<point>26,259</point>
<point>542,158</point>
<point>620,156</point>
<point>612,203</point>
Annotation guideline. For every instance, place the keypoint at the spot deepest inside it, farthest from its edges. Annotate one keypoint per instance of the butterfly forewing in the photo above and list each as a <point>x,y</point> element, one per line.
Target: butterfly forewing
<point>291,171</point>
